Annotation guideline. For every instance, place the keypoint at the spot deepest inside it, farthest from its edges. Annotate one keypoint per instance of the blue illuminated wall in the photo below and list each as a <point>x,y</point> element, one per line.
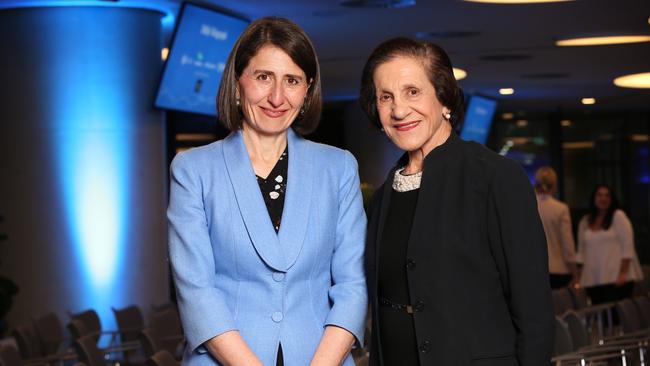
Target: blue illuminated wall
<point>83,159</point>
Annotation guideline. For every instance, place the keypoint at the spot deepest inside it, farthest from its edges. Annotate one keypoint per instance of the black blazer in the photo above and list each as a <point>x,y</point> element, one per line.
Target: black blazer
<point>477,264</point>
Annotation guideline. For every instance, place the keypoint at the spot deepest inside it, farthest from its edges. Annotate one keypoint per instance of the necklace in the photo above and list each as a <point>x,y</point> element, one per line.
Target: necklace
<point>405,183</point>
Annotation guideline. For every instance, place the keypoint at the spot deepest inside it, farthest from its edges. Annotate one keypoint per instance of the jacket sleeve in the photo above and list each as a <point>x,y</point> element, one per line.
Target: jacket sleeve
<point>348,292</point>
<point>517,229</point>
<point>623,229</point>
<point>566,232</point>
<point>582,228</point>
<point>202,306</point>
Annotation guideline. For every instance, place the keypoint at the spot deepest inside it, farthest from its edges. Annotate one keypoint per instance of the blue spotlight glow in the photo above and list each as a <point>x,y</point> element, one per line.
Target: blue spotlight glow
<point>95,164</point>
<point>95,93</point>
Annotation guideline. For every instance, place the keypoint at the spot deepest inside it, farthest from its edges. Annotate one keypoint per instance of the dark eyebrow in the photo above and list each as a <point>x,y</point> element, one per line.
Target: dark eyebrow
<point>294,76</point>
<point>261,71</point>
<point>409,86</point>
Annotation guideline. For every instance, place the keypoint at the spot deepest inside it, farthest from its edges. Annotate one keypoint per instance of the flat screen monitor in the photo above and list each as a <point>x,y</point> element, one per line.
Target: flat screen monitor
<point>202,42</point>
<point>478,119</point>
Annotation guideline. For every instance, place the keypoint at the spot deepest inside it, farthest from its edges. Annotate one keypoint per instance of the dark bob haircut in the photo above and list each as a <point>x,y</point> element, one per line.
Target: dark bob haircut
<point>436,64</point>
<point>287,36</point>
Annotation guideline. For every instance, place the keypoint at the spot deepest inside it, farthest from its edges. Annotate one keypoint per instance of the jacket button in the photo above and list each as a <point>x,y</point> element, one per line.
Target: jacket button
<point>410,264</point>
<point>277,316</point>
<point>278,276</point>
<point>419,306</point>
<point>425,347</point>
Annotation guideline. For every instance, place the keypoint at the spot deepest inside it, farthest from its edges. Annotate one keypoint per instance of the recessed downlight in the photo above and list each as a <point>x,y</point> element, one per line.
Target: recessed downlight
<point>508,115</point>
<point>506,91</point>
<point>516,1</point>
<point>565,123</point>
<point>588,101</point>
<point>636,81</point>
<point>602,40</point>
<point>459,74</point>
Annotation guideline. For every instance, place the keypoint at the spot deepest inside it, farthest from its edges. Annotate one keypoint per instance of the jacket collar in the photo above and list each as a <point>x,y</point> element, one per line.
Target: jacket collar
<point>280,251</point>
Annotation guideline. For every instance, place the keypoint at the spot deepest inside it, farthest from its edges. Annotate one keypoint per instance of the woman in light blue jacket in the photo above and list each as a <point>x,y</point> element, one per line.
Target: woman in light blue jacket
<point>266,229</point>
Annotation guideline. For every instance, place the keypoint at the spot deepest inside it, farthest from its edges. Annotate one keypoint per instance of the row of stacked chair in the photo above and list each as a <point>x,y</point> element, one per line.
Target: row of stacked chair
<point>581,338</point>
<point>44,342</point>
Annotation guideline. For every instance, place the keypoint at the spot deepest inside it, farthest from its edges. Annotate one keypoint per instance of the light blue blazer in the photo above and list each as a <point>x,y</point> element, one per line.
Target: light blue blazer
<point>233,272</point>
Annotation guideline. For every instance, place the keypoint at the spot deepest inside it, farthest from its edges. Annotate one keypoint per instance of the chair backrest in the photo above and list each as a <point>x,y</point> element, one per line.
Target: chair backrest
<point>78,329</point>
<point>563,343</point>
<point>9,356</point>
<point>149,342</point>
<point>50,333</point>
<point>90,320</point>
<point>629,315</point>
<point>130,322</point>
<point>162,306</point>
<point>643,305</point>
<point>162,358</point>
<point>577,330</point>
<point>562,300</point>
<point>166,326</point>
<point>28,344</point>
<point>88,352</point>
<point>579,296</point>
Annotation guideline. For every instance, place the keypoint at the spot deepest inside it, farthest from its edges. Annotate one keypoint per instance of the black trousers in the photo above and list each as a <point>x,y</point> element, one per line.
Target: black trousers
<point>559,280</point>
<point>609,293</point>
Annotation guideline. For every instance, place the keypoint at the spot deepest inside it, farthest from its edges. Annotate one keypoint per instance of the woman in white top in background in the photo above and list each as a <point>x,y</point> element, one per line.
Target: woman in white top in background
<point>556,219</point>
<point>606,249</point>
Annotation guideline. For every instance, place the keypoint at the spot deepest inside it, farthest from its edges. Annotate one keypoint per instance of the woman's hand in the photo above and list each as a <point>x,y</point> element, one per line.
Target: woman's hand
<point>231,350</point>
<point>333,348</point>
<point>622,274</point>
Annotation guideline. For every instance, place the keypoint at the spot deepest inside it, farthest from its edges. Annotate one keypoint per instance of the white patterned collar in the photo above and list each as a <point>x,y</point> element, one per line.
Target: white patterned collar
<point>405,183</point>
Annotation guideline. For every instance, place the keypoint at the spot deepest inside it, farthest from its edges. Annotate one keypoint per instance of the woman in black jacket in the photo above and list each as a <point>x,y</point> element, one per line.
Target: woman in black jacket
<point>456,257</point>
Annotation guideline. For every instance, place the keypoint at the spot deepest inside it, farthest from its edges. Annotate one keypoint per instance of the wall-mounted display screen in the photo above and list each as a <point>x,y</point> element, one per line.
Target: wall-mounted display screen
<point>478,119</point>
<point>202,42</point>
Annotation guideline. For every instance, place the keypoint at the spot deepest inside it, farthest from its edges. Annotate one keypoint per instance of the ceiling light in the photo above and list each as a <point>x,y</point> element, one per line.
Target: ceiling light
<point>603,40</point>
<point>522,123</point>
<point>506,91</point>
<point>459,74</point>
<point>508,115</point>
<point>636,81</point>
<point>588,101</point>
<point>164,53</point>
<point>516,1</point>
<point>565,123</point>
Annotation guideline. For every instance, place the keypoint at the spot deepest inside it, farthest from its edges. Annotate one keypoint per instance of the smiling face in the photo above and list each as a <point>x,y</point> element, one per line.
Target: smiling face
<point>271,91</point>
<point>407,105</point>
<point>603,199</point>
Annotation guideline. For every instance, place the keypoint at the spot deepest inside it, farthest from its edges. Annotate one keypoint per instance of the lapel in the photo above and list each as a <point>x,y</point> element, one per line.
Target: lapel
<point>436,166</point>
<point>251,204</point>
<point>383,211</point>
<point>280,250</point>
<point>297,200</point>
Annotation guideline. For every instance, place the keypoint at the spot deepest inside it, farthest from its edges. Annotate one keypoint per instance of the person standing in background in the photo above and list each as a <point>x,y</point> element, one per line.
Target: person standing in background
<point>606,249</point>
<point>556,219</point>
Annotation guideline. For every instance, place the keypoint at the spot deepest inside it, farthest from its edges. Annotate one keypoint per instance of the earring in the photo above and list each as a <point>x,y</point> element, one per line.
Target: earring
<point>237,102</point>
<point>302,111</point>
<point>447,115</point>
